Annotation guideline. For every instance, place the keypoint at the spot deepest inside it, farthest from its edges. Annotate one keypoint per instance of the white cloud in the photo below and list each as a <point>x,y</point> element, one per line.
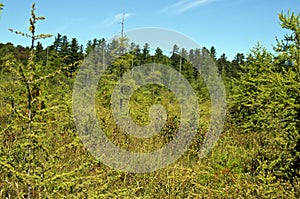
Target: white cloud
<point>175,5</point>
<point>184,5</point>
<point>117,18</point>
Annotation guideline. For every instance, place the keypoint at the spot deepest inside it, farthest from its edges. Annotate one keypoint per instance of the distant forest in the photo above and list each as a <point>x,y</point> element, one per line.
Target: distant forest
<point>256,156</point>
<point>70,51</point>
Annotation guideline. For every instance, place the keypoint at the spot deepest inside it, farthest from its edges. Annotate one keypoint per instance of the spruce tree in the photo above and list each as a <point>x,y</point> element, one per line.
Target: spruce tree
<point>266,101</point>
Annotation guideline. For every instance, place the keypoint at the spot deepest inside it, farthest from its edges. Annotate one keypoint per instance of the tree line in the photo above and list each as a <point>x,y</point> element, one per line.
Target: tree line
<point>70,51</point>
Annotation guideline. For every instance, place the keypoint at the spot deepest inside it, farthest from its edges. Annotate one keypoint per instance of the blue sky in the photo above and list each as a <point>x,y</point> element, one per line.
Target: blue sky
<point>231,26</point>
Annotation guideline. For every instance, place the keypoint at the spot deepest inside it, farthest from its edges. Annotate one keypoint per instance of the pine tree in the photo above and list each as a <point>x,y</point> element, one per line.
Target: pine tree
<point>57,43</point>
<point>213,53</point>
<point>145,54</point>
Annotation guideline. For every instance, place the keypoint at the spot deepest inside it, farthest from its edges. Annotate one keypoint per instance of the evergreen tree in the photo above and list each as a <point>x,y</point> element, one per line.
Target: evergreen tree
<point>158,56</point>
<point>57,42</point>
<point>223,63</point>
<point>64,46</point>
<point>88,47</point>
<point>266,100</point>
<point>213,53</point>
<point>234,69</point>
<point>74,56</point>
<point>145,54</point>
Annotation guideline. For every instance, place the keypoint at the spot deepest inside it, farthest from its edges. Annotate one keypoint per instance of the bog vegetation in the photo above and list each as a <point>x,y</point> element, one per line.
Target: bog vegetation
<point>257,155</point>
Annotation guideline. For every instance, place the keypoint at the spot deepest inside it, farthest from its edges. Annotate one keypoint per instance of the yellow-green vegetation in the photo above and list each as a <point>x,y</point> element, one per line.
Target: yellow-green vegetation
<point>256,156</point>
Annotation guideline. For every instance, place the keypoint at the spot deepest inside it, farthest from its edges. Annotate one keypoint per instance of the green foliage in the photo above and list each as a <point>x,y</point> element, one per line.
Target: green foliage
<point>266,100</point>
<point>41,155</point>
<point>38,137</point>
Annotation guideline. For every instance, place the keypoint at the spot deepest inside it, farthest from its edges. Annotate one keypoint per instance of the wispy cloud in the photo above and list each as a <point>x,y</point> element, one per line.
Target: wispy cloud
<point>117,18</point>
<point>184,5</point>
